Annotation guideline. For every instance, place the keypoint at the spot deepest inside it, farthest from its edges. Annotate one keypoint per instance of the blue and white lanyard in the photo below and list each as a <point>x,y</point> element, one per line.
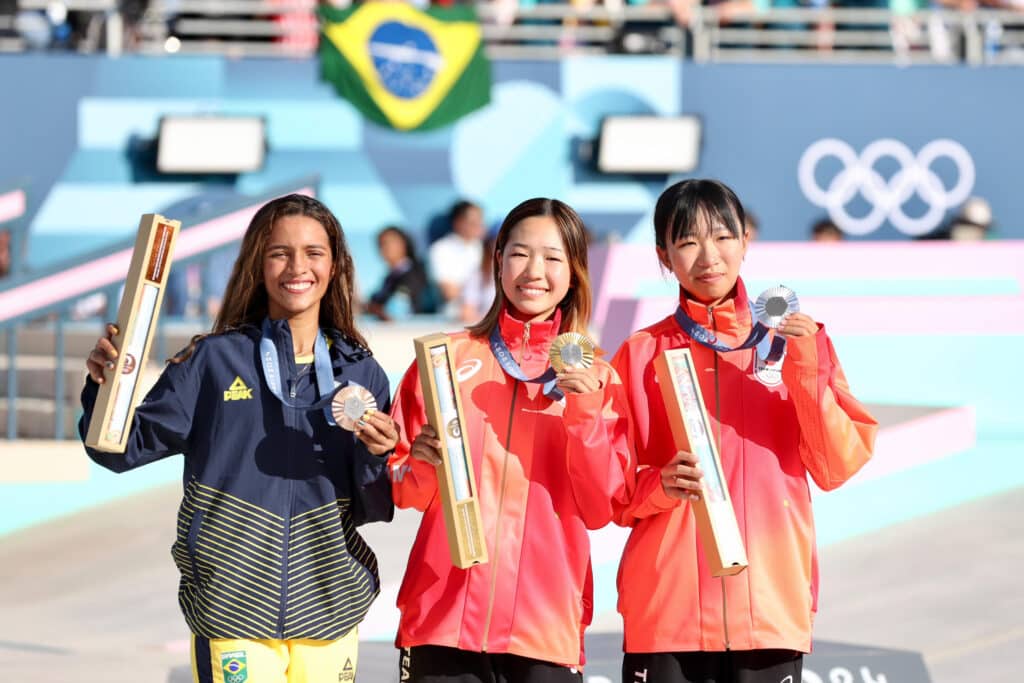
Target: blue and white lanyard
<point>321,365</point>
<point>501,352</point>
<point>768,351</point>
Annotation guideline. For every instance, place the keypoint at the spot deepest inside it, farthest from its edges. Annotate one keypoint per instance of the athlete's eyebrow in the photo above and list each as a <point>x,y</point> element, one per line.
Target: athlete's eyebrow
<point>311,245</point>
<point>527,246</point>
<point>694,232</point>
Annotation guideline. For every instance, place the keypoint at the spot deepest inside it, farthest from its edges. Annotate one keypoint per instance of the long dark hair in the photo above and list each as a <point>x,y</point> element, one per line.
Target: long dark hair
<point>576,305</point>
<point>681,206</point>
<point>245,298</point>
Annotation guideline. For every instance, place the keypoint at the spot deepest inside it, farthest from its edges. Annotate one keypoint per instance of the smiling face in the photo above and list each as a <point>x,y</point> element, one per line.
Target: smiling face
<point>706,260</point>
<point>534,269</point>
<point>297,267</point>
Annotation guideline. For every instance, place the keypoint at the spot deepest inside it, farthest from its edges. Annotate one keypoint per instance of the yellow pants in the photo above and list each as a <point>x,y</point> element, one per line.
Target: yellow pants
<point>275,661</point>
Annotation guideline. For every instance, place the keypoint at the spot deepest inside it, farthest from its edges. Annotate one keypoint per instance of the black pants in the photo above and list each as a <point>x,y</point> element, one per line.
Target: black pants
<point>435,664</point>
<point>742,666</point>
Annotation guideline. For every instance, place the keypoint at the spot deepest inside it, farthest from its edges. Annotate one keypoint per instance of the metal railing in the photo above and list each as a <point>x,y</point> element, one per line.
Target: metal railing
<point>860,36</point>
<point>287,28</point>
<point>37,297</point>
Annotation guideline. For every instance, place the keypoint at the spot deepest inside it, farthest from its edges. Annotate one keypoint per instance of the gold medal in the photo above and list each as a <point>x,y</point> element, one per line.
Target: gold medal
<point>571,350</point>
<point>350,405</point>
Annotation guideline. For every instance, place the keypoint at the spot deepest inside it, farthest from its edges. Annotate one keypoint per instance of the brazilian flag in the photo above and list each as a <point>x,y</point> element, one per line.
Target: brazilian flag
<point>405,68</point>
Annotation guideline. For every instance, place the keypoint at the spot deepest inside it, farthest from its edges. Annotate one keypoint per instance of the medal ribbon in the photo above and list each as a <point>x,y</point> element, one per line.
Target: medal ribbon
<point>768,351</point>
<point>321,365</point>
<point>501,352</point>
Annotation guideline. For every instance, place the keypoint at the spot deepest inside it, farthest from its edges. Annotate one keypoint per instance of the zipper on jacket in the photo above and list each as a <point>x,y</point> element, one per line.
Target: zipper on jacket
<point>526,342</point>
<point>718,440</point>
<point>289,415</point>
<point>497,521</point>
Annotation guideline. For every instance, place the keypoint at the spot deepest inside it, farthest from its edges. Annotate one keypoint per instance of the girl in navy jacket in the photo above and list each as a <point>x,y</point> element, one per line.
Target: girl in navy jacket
<point>274,575</point>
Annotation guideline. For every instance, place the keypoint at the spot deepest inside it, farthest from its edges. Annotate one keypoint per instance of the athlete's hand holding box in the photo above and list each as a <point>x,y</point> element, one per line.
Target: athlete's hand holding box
<point>455,474</point>
<point>691,431</point>
<point>136,325</point>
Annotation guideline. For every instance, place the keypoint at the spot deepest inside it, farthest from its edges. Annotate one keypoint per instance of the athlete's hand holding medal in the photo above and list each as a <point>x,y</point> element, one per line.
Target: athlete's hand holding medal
<point>355,409</point>
<point>572,359</point>
<point>778,308</point>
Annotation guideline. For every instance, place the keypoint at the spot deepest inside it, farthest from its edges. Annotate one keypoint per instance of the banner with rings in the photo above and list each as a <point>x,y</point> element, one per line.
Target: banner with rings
<point>859,175</point>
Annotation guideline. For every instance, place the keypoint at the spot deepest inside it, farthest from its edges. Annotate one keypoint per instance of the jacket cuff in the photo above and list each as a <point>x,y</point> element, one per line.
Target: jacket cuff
<point>90,391</point>
<point>661,500</point>
<point>378,461</point>
<point>804,353</point>
<point>583,406</point>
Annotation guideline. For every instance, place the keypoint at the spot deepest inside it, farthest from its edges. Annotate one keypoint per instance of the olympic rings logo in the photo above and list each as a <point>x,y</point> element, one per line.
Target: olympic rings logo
<point>886,197</point>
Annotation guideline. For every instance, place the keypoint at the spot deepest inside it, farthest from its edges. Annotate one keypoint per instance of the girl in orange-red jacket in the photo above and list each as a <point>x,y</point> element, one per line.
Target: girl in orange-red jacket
<point>549,465</point>
<point>773,428</point>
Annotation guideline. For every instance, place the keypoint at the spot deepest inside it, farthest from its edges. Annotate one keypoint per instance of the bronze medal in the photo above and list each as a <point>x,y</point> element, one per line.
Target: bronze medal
<point>350,405</point>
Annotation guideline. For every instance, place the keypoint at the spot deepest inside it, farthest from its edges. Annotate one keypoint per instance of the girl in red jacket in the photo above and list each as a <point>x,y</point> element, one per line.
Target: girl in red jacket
<point>773,428</point>
<point>549,458</point>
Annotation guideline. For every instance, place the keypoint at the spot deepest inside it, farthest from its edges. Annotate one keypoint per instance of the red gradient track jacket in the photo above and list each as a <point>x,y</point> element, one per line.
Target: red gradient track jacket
<point>546,471</point>
<point>775,429</point>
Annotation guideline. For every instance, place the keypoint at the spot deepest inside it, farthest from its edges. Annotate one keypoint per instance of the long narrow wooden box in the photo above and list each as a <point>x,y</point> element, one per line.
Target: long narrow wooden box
<point>691,431</point>
<point>136,322</point>
<point>455,478</point>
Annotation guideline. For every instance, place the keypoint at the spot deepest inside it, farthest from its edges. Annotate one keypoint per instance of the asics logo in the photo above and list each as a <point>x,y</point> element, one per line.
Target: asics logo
<point>468,369</point>
<point>886,197</point>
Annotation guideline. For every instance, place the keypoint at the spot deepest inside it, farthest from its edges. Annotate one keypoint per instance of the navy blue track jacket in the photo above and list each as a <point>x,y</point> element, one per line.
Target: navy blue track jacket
<point>267,544</point>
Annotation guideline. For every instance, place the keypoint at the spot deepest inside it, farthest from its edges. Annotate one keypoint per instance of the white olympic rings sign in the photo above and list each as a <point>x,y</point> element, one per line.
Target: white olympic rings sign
<point>886,196</point>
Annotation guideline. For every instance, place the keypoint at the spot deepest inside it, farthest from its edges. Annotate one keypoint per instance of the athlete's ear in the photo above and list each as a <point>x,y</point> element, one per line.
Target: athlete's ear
<point>663,258</point>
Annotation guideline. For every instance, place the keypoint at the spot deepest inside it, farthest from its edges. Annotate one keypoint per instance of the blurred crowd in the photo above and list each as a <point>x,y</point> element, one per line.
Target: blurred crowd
<point>455,279</point>
<point>452,277</point>
<point>89,26</point>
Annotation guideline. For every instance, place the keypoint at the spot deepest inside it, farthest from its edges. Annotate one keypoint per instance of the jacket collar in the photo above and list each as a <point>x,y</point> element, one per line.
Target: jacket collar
<point>344,351</point>
<point>731,316</point>
<point>542,333</point>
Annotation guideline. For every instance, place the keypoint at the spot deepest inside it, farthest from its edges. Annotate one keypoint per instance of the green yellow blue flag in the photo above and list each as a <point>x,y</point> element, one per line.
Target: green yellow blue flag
<point>405,68</point>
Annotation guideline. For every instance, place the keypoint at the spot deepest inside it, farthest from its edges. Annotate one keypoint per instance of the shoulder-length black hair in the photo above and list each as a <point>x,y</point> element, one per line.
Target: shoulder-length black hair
<point>689,204</point>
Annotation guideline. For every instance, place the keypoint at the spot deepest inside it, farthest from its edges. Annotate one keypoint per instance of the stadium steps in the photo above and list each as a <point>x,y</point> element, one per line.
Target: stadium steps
<point>36,375</point>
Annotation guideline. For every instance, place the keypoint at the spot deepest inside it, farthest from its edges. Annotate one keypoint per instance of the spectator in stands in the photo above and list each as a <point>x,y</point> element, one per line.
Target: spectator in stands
<point>972,223</point>
<point>456,256</point>
<point>478,293</point>
<point>826,231</point>
<point>5,253</point>
<point>406,282</point>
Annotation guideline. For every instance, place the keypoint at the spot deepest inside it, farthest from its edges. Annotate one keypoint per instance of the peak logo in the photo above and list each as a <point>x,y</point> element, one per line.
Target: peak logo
<point>238,391</point>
